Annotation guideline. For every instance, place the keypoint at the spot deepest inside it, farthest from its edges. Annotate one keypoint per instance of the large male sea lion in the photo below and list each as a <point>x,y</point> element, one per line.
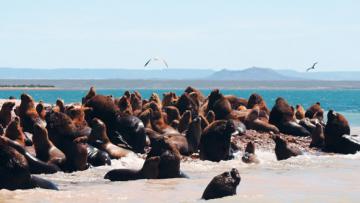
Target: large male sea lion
<point>27,113</point>
<point>337,135</point>
<point>222,185</point>
<point>215,141</point>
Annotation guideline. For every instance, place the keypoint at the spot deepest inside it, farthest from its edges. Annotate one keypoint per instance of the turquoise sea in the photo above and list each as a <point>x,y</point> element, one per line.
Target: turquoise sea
<point>344,101</point>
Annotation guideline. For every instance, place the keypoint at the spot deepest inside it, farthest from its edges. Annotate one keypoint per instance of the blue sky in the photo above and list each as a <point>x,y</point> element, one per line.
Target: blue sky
<point>231,34</point>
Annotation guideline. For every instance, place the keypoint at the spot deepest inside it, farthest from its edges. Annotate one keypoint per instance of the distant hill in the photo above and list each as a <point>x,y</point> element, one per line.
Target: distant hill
<point>252,74</point>
<point>249,74</point>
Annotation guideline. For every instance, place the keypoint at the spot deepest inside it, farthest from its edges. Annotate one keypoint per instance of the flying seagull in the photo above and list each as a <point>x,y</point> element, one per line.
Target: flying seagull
<point>156,59</point>
<point>312,67</point>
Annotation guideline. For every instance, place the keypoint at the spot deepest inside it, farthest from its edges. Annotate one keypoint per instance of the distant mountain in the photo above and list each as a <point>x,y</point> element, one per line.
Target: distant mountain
<point>332,76</point>
<point>129,74</point>
<point>252,74</point>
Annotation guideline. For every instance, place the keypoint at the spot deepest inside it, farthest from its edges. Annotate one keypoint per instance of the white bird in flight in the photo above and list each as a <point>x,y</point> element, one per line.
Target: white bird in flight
<point>312,67</point>
<point>156,59</point>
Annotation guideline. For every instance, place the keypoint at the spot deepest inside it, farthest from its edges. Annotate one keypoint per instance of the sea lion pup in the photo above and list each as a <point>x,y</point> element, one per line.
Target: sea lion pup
<point>184,121</point>
<point>252,121</point>
<point>222,185</point>
<point>149,170</point>
<point>282,116</point>
<point>169,99</point>
<point>317,136</point>
<point>15,132</point>
<point>5,113</point>
<point>236,101</point>
<point>45,150</point>
<point>15,172</point>
<point>215,141</point>
<point>257,100</point>
<point>27,113</point>
<point>99,138</point>
<point>300,112</point>
<point>89,95</point>
<point>337,135</point>
<point>210,116</point>
<point>249,155</point>
<point>282,150</point>
<point>41,110</point>
<point>172,113</point>
<point>125,106</point>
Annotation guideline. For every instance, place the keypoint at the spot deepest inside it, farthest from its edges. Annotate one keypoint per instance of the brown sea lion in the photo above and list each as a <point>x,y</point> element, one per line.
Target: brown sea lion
<point>190,89</point>
<point>257,100</point>
<point>41,110</point>
<point>45,149</point>
<point>317,136</point>
<point>89,95</point>
<point>125,106</point>
<point>184,121</point>
<point>300,112</point>
<point>282,150</point>
<point>15,132</point>
<point>235,101</point>
<point>315,111</point>
<point>99,138</point>
<point>222,185</point>
<point>172,113</point>
<point>337,135</point>
<point>215,141</point>
<point>15,173</point>
<point>282,116</point>
<point>150,170</point>
<point>169,99</point>
<point>249,155</point>
<point>136,103</point>
<point>27,113</point>
<point>5,113</point>
<point>252,121</point>
<point>210,116</point>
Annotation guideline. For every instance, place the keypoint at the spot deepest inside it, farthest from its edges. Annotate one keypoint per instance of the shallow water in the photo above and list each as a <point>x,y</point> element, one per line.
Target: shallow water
<point>307,178</point>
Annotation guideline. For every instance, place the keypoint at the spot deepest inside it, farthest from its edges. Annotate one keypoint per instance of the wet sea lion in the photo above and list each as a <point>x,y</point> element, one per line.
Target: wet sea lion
<point>282,150</point>
<point>99,138</point>
<point>215,141</point>
<point>337,135</point>
<point>222,185</point>
<point>249,155</point>
<point>45,149</point>
<point>5,113</point>
<point>97,157</point>
<point>149,170</point>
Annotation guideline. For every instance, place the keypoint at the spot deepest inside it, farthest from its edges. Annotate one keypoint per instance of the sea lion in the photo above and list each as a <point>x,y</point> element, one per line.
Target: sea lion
<point>315,111</point>
<point>27,113</point>
<point>337,135</point>
<point>184,121</point>
<point>210,116</point>
<point>222,185</point>
<point>252,121</point>
<point>99,138</point>
<point>236,102</point>
<point>282,116</point>
<point>190,89</point>
<point>185,103</point>
<point>97,157</point>
<point>149,170</point>
<point>169,99</point>
<point>60,105</point>
<point>5,113</point>
<point>220,105</point>
<point>282,150</point>
<point>172,113</point>
<point>45,150</point>
<point>169,166</point>
<point>136,103</point>
<point>41,110</point>
<point>300,112</point>
<point>249,155</point>
<point>215,141</point>
<point>15,132</point>
<point>125,106</point>
<point>89,95</point>
<point>257,100</point>
<point>317,136</point>
<point>15,172</point>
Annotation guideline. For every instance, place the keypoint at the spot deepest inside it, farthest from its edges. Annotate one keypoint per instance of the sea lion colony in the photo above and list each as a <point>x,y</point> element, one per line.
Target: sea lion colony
<point>39,138</point>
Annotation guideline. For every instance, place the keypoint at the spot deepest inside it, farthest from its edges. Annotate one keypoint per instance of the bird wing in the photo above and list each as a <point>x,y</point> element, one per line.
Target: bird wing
<point>307,70</point>
<point>165,63</point>
<point>147,62</point>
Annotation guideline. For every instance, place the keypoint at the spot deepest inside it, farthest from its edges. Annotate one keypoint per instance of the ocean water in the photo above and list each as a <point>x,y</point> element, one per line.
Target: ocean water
<point>344,101</point>
<point>306,178</point>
